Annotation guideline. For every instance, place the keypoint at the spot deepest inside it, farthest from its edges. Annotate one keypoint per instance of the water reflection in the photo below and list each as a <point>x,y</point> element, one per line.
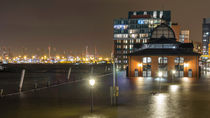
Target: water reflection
<point>94,116</point>
<point>174,88</point>
<point>159,106</point>
<point>160,79</point>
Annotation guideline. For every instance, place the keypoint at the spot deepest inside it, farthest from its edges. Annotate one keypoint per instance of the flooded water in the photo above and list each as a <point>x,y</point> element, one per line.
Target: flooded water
<point>138,98</point>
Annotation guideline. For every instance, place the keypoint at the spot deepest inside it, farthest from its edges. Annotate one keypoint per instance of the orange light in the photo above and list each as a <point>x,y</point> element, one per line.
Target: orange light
<point>140,65</point>
<point>186,64</point>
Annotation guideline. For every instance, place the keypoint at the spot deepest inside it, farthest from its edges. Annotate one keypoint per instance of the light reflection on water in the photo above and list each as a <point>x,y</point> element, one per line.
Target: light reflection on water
<point>159,106</point>
<point>174,88</point>
<point>94,116</point>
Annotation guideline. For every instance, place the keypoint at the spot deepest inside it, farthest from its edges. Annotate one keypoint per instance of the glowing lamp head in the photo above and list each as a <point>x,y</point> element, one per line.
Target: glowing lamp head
<point>92,82</point>
<point>140,65</point>
<point>160,74</point>
<point>173,71</point>
<point>186,64</point>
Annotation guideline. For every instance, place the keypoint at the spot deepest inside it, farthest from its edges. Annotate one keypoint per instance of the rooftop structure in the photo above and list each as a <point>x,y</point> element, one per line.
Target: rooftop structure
<point>163,53</point>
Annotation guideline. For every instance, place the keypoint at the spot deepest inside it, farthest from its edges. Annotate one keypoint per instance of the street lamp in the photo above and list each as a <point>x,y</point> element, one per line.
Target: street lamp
<point>140,65</point>
<point>173,74</point>
<point>160,74</point>
<point>92,83</point>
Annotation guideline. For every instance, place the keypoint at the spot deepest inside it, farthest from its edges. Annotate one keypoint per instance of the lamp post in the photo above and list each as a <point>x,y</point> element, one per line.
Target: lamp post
<point>160,74</point>
<point>173,74</point>
<point>92,83</point>
<point>140,66</point>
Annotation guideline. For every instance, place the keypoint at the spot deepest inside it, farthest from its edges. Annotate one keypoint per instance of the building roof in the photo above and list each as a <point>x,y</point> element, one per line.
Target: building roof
<point>163,42</point>
<point>168,52</point>
<point>163,30</point>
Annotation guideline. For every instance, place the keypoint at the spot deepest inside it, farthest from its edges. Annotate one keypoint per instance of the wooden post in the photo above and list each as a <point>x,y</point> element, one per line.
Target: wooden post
<point>21,80</point>
<point>1,92</point>
<point>69,74</point>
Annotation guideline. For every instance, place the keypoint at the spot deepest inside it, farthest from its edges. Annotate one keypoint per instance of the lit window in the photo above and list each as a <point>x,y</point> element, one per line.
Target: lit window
<point>161,14</point>
<point>162,60</point>
<point>131,46</point>
<point>125,52</point>
<point>131,41</point>
<point>118,41</point>
<point>133,35</point>
<point>141,22</point>
<point>179,60</point>
<point>155,14</point>
<point>118,46</point>
<point>147,60</point>
<point>125,41</point>
<point>138,40</point>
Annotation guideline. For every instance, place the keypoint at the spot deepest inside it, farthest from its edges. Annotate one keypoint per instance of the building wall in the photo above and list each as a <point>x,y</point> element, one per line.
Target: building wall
<point>184,36</point>
<point>192,62</point>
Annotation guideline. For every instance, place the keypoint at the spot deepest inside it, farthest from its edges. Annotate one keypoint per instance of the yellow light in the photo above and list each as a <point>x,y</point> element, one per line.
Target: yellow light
<point>92,82</point>
<point>185,79</point>
<point>160,74</point>
<point>173,71</point>
<point>186,64</point>
<point>57,57</point>
<point>100,58</point>
<point>174,88</point>
<point>140,65</point>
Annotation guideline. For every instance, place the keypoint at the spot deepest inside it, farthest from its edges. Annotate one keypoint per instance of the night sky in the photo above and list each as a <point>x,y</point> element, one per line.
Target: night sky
<point>73,24</point>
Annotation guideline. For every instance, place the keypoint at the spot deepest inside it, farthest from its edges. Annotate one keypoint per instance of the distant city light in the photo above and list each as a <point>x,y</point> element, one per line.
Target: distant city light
<point>56,59</point>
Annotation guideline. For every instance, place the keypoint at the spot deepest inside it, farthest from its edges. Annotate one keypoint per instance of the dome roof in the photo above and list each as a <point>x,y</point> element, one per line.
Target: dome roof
<point>163,30</point>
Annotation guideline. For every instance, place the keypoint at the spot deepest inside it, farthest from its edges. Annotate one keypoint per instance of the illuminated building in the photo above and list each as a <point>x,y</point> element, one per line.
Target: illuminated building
<point>206,35</point>
<point>184,36</point>
<point>162,53</point>
<point>197,47</point>
<point>136,28</point>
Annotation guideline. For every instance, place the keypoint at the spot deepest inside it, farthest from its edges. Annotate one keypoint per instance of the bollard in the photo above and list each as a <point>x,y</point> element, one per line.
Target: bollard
<point>1,93</point>
<point>21,80</point>
<point>35,85</point>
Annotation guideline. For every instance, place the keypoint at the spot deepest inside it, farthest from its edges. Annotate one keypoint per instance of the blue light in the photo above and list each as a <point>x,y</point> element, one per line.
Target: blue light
<point>122,27</point>
<point>140,21</point>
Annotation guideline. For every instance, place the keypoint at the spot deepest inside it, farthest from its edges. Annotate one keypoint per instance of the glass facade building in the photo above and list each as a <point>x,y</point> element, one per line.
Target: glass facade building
<point>136,28</point>
<point>206,35</point>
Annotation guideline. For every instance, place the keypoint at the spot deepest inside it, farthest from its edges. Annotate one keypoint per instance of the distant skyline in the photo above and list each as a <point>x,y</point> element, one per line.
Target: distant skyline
<point>72,25</point>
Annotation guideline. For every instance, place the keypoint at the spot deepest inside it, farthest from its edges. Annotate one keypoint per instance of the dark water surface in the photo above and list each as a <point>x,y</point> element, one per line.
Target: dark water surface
<point>139,98</point>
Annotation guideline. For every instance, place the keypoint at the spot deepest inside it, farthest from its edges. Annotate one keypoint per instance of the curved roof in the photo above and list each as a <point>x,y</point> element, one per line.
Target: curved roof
<point>163,30</point>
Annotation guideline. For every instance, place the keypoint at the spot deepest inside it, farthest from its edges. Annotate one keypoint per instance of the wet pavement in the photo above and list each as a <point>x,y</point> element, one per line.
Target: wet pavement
<point>139,98</point>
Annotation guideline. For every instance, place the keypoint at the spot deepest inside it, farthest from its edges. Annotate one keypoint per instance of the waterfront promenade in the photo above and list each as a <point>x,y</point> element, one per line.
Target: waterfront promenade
<point>184,98</point>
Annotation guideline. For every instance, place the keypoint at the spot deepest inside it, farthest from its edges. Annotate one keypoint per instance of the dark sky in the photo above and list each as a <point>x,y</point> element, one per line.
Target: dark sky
<point>73,24</point>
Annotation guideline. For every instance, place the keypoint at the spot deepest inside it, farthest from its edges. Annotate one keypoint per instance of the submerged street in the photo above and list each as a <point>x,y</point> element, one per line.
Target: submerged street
<point>139,97</point>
